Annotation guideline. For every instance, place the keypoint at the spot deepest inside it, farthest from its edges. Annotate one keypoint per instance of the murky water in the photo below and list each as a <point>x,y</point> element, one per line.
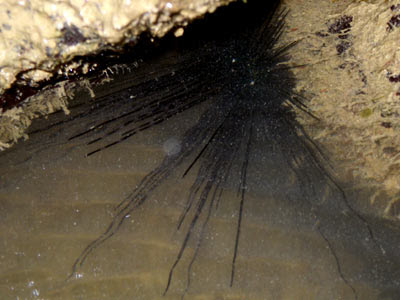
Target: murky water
<point>55,201</point>
<point>302,233</point>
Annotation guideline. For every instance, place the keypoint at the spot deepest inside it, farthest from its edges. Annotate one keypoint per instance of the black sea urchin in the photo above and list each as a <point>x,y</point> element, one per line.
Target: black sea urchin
<point>241,71</point>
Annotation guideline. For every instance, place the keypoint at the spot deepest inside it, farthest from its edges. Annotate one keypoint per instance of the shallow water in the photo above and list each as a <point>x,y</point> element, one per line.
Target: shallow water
<point>55,201</point>
<point>300,237</point>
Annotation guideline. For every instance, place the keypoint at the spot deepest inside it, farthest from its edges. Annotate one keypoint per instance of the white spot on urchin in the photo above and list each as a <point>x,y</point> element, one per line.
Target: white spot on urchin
<point>172,146</point>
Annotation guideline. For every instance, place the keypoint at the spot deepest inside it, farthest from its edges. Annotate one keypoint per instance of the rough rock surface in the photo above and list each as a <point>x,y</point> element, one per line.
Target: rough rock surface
<point>352,77</point>
<point>37,36</point>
